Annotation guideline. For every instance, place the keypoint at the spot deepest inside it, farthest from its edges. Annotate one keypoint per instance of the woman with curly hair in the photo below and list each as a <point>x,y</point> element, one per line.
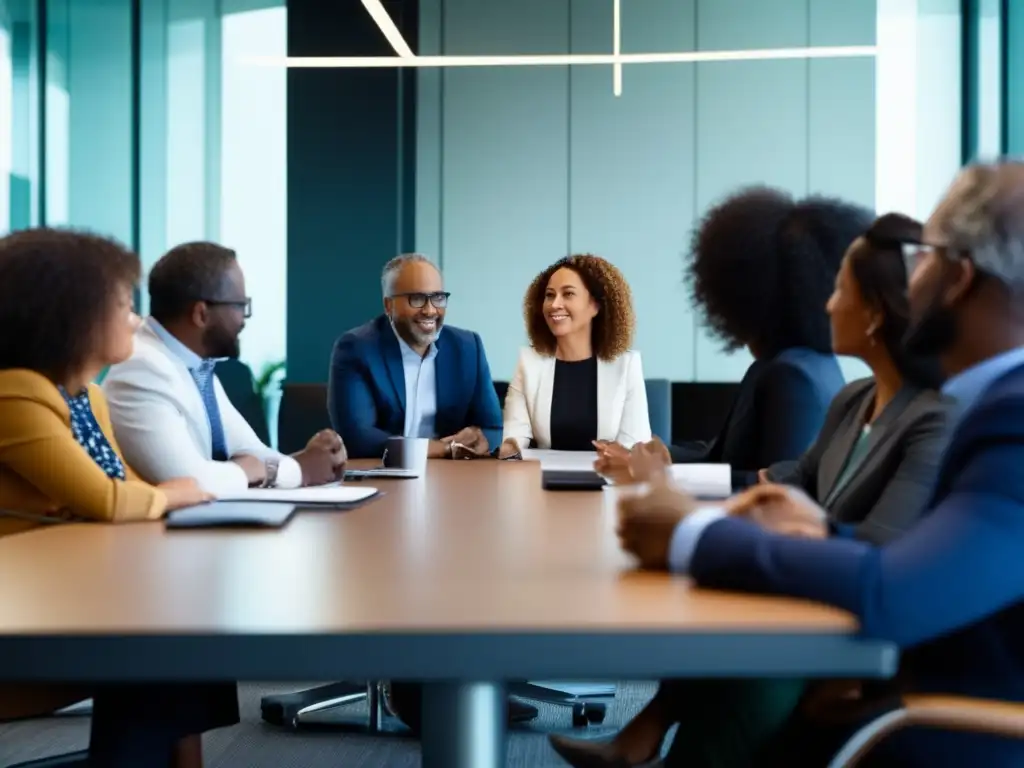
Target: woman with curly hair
<point>762,268</point>
<point>578,382</point>
<point>66,313</point>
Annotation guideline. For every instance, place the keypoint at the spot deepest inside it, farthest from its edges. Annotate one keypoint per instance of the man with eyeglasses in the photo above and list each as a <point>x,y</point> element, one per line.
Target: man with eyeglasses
<point>407,374</point>
<point>950,592</point>
<point>171,416</point>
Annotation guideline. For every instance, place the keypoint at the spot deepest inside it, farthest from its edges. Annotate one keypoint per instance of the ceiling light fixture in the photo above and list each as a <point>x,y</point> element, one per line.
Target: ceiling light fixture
<point>387,26</point>
<point>557,60</point>
<point>616,48</point>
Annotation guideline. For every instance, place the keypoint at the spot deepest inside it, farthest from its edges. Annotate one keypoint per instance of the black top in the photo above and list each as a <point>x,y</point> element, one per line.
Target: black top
<point>574,405</point>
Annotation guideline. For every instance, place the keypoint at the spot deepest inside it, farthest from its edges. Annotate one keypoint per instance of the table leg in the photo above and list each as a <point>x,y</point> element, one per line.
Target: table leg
<point>464,725</point>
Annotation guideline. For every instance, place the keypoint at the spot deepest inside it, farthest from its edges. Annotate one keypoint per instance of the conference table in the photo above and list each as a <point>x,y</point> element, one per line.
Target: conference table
<point>465,578</point>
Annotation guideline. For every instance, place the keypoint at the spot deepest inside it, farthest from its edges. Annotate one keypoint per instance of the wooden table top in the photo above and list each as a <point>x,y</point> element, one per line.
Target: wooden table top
<point>474,546</point>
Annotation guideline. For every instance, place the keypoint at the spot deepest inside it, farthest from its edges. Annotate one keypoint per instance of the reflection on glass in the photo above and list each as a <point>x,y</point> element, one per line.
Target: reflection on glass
<point>19,115</point>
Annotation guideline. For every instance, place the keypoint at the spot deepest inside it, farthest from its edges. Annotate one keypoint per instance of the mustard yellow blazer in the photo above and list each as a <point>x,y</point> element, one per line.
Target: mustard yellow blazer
<point>45,473</point>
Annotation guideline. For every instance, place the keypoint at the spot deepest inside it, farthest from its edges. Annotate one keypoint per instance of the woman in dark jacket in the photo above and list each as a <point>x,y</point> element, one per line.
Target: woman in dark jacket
<point>873,467</point>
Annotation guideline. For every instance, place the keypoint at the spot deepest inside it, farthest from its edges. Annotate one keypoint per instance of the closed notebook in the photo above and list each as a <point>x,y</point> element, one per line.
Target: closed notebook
<point>232,514</point>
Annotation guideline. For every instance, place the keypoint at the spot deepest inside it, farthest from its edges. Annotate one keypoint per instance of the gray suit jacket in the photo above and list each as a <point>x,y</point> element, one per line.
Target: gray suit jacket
<point>888,491</point>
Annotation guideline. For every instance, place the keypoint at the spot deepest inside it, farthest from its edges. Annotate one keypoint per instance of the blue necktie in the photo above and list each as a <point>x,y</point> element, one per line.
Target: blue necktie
<point>204,380</point>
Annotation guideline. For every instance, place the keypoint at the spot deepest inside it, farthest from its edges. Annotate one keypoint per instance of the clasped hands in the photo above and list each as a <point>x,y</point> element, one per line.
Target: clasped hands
<point>648,520</point>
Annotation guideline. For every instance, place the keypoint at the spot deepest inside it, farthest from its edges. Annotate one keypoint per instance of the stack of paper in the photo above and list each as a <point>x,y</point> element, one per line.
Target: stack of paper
<point>562,460</point>
<point>325,495</point>
<point>705,481</point>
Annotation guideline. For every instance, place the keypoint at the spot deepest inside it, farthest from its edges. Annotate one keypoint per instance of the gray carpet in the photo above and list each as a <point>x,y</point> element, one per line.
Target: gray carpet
<point>254,744</point>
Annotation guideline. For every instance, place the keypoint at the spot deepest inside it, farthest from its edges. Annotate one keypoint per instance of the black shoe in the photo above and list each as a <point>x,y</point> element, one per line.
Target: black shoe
<point>519,712</point>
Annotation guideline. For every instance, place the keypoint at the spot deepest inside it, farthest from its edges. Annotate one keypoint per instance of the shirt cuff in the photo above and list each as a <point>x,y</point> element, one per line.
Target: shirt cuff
<point>687,534</point>
<point>843,530</point>
<point>289,473</point>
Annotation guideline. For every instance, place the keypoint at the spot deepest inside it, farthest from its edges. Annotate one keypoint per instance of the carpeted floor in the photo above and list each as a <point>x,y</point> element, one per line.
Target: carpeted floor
<point>254,744</point>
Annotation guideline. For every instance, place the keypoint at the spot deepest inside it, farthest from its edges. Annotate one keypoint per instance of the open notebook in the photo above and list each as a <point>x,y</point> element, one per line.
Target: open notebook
<point>333,495</point>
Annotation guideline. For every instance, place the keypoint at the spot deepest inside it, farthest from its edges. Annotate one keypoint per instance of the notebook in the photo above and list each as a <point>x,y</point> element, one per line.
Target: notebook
<point>333,495</point>
<point>231,514</point>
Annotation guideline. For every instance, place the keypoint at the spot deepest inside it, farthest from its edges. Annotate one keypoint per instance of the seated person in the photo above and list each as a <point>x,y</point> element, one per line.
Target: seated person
<point>66,311</point>
<point>761,270</point>
<point>406,373</point>
<point>872,469</point>
<point>171,415</point>
<point>948,593</point>
<point>578,381</point>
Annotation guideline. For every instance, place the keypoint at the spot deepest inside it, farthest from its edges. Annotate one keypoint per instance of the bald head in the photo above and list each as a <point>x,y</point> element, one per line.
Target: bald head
<point>982,214</point>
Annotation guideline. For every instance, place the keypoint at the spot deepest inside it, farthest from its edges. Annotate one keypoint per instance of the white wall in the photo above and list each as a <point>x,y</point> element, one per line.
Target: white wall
<point>517,167</point>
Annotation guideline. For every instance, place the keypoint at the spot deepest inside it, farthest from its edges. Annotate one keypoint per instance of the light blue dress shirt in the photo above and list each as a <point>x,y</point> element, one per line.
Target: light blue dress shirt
<point>420,390</point>
<point>966,387</point>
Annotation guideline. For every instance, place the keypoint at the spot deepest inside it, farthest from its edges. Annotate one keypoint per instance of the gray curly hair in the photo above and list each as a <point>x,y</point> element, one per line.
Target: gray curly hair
<point>982,213</point>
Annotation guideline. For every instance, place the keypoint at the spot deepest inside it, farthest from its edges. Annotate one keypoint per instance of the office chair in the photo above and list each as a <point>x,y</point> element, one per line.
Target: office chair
<point>240,387</point>
<point>303,413</point>
<point>951,713</point>
<point>659,406</point>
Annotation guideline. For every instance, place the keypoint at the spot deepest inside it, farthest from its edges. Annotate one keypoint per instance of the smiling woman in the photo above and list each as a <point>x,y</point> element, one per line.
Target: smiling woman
<point>579,381</point>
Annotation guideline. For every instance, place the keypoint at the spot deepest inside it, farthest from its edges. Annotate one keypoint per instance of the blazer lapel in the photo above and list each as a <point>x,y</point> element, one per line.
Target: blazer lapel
<point>833,460</point>
<point>876,438</point>
<point>392,355</point>
<point>609,417</point>
<point>191,398</point>
<point>545,386</point>
<point>444,375</point>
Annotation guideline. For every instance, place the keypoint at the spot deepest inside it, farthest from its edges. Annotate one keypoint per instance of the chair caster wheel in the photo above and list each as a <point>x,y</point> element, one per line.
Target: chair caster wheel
<point>587,714</point>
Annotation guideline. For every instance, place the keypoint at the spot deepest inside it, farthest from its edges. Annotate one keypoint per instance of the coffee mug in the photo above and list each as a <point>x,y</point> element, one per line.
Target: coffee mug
<point>407,453</point>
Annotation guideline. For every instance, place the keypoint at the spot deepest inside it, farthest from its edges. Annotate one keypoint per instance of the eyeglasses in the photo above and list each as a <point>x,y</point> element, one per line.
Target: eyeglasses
<point>243,304</point>
<point>419,300</point>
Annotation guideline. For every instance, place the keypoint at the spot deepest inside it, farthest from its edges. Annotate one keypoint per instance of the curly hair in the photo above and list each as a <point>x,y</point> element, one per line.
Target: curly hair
<point>762,267</point>
<point>58,288</point>
<point>187,273</point>
<point>613,327</point>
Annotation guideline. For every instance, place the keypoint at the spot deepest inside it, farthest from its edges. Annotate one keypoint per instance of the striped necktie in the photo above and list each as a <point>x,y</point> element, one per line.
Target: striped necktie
<point>203,376</point>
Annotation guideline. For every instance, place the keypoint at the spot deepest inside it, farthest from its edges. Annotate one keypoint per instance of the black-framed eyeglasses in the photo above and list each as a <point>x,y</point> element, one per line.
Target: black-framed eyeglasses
<point>419,300</point>
<point>243,304</point>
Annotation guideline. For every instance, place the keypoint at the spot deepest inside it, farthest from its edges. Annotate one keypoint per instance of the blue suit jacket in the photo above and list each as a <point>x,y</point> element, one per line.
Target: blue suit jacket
<point>949,592</point>
<point>366,390</point>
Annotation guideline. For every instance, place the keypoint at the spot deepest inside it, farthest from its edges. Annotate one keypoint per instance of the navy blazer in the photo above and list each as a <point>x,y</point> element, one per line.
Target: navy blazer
<point>366,389</point>
<point>776,415</point>
<point>948,592</point>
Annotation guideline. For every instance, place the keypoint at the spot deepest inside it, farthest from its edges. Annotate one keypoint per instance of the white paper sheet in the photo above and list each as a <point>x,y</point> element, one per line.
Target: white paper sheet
<point>707,481</point>
<point>324,494</point>
<point>561,460</point>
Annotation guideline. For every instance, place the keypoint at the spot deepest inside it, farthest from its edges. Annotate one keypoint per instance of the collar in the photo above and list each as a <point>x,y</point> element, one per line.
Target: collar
<point>970,384</point>
<point>191,360</point>
<point>410,353</point>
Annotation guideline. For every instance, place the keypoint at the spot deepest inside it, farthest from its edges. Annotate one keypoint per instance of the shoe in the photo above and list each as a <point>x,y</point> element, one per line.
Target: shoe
<point>581,753</point>
<point>519,712</point>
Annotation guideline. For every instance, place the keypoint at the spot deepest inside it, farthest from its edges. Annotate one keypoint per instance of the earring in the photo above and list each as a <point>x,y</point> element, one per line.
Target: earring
<point>871,337</point>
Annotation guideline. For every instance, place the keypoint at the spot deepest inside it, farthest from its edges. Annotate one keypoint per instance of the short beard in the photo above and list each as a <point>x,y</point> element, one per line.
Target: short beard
<point>406,328</point>
<point>934,333</point>
<point>219,344</point>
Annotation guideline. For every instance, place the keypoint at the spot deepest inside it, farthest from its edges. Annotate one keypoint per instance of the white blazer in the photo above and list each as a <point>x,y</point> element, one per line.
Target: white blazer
<point>622,413</point>
<point>161,425</point>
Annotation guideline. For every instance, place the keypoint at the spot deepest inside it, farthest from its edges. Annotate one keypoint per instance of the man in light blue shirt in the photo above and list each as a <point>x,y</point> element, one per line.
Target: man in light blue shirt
<point>407,374</point>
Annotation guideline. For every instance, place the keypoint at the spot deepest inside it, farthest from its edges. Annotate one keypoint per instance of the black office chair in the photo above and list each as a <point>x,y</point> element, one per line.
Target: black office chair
<point>238,382</point>
<point>303,413</point>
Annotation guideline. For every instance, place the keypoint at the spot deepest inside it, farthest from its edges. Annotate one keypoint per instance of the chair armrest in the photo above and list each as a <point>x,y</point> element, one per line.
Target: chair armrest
<point>952,713</point>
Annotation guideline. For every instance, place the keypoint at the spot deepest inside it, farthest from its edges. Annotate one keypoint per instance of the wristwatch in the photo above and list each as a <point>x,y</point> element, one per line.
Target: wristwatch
<point>270,481</point>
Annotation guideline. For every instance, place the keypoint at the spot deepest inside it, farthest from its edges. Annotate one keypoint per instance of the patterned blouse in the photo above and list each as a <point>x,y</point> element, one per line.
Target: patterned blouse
<point>87,432</point>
